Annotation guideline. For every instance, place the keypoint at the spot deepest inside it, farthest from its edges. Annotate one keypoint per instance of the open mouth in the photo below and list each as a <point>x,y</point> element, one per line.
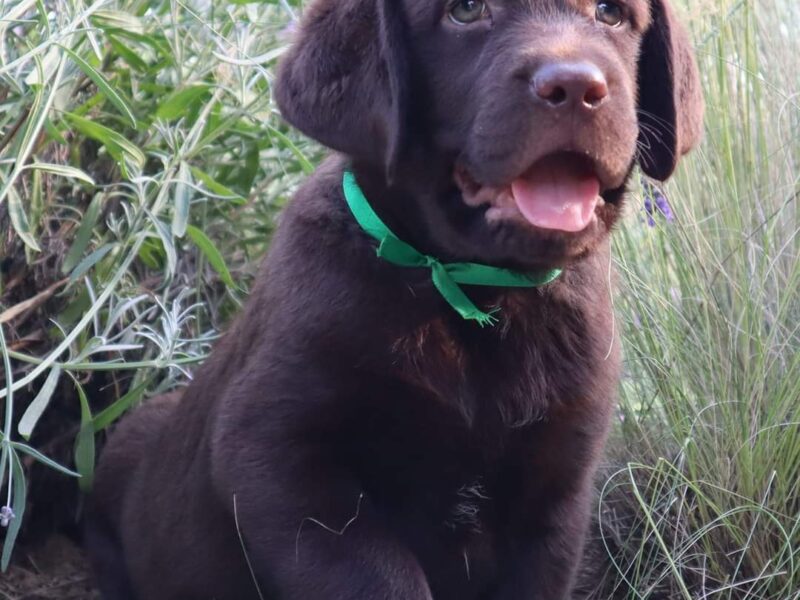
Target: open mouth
<point>558,192</point>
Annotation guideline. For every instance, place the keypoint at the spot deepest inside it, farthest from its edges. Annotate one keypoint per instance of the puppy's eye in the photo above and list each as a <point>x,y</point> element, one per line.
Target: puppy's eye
<point>610,13</point>
<point>465,12</point>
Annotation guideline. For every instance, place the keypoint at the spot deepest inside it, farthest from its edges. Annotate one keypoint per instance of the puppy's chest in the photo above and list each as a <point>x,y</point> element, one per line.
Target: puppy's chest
<point>469,507</point>
<point>431,359</point>
<point>478,371</point>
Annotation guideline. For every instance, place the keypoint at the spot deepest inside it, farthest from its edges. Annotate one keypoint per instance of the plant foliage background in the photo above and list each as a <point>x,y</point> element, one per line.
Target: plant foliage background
<point>142,169</point>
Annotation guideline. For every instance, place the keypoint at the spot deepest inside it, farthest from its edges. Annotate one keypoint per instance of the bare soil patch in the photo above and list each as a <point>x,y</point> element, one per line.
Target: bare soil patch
<point>56,570</point>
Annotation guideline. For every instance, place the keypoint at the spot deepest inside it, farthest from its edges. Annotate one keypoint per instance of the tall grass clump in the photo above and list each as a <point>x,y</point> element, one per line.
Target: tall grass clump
<point>706,503</point>
<point>141,165</point>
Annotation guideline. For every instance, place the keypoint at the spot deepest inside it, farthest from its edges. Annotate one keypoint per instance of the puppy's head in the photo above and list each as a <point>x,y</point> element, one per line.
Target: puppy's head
<point>526,116</point>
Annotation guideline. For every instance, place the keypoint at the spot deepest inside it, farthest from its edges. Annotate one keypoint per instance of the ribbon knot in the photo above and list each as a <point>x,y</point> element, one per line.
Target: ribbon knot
<point>446,277</point>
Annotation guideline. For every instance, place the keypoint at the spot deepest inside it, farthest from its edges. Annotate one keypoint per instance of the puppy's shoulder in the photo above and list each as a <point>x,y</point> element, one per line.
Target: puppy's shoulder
<point>319,197</point>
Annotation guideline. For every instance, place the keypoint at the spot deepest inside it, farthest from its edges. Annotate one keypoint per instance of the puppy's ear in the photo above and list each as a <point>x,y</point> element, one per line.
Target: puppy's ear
<point>670,97</point>
<point>343,82</point>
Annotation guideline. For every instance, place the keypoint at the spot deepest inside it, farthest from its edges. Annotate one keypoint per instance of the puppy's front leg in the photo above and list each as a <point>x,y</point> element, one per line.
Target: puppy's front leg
<point>549,518</point>
<point>310,532</point>
<point>544,564</point>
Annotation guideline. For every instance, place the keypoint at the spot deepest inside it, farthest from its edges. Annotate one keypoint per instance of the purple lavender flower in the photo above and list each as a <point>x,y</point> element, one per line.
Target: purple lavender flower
<point>648,209</point>
<point>656,203</point>
<point>663,206</point>
<point>6,516</point>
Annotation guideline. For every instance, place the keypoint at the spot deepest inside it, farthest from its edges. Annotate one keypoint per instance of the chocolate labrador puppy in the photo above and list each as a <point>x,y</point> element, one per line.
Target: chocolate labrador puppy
<point>376,427</point>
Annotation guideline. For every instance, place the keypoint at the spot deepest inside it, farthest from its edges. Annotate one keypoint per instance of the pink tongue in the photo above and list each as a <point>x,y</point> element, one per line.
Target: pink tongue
<point>557,194</point>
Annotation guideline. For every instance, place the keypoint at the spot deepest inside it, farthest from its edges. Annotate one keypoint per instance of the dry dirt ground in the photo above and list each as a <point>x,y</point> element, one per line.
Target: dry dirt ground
<point>55,571</point>
<point>58,570</point>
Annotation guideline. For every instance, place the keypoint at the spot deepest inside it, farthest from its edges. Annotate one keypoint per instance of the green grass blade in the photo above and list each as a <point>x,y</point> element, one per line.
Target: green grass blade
<point>39,404</point>
<point>122,104</point>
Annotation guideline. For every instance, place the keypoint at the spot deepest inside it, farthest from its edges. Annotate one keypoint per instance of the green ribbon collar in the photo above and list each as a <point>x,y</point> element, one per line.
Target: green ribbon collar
<point>446,276</point>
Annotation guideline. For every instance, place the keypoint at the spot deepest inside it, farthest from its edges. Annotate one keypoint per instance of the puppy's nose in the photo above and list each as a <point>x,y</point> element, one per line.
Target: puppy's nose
<point>570,84</point>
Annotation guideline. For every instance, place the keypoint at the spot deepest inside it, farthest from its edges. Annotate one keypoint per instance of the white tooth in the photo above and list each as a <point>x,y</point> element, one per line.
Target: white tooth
<point>504,213</point>
<point>505,199</point>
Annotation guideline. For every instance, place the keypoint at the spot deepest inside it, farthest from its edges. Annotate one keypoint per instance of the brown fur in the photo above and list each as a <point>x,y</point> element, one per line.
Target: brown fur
<point>352,437</point>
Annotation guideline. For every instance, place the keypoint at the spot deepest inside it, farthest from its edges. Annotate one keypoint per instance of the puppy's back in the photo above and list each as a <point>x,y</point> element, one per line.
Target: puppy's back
<point>116,472</point>
<point>126,446</point>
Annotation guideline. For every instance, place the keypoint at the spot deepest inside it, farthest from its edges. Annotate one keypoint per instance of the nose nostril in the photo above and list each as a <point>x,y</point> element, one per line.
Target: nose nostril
<point>557,96</point>
<point>595,94</point>
<point>550,91</point>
